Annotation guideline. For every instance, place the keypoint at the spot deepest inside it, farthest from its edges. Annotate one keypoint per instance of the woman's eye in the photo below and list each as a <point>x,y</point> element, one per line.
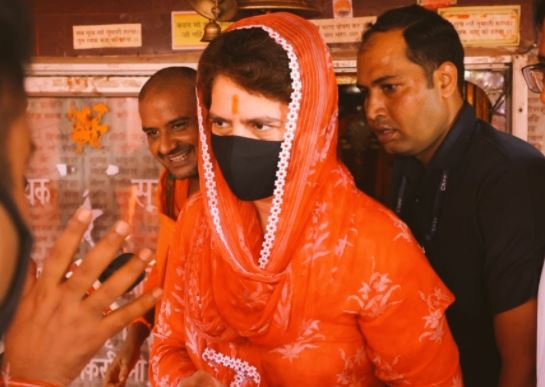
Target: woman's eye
<point>264,126</point>
<point>259,125</point>
<point>218,123</point>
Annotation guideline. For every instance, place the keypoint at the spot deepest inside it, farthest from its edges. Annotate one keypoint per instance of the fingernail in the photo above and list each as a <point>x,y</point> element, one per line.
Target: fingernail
<point>83,215</point>
<point>157,293</point>
<point>122,228</point>
<point>144,255</point>
<point>152,263</point>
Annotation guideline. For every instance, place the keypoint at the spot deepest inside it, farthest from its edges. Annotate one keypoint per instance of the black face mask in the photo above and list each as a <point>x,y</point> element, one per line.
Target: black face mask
<point>248,165</point>
<point>8,307</point>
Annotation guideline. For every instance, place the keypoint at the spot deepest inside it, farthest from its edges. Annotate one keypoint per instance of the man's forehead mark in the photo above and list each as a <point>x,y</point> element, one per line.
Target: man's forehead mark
<point>234,104</point>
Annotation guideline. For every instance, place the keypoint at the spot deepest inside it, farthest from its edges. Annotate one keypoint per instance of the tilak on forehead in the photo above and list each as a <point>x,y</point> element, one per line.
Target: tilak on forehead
<point>234,104</point>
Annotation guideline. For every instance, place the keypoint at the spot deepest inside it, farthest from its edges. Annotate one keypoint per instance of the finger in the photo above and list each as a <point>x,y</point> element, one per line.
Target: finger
<point>111,373</point>
<point>123,374</point>
<point>97,259</point>
<point>30,277</point>
<point>116,320</point>
<point>119,282</point>
<point>65,247</point>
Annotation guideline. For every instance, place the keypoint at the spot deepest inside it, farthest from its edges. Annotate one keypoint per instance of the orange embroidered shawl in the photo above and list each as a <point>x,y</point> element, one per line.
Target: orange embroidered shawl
<point>335,292</point>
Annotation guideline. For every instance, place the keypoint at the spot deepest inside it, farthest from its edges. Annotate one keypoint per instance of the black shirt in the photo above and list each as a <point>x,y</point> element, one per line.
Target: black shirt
<point>478,209</point>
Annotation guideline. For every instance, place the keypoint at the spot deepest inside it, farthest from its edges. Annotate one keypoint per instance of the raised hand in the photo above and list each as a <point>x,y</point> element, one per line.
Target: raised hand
<point>57,328</point>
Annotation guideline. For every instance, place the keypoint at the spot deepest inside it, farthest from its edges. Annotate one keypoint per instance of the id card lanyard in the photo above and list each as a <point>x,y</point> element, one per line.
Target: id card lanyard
<point>437,203</point>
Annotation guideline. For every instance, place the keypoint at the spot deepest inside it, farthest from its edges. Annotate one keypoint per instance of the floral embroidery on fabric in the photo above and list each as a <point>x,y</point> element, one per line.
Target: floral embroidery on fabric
<point>351,375</point>
<point>308,339</point>
<point>191,338</point>
<point>315,246</point>
<point>387,371</point>
<point>342,244</point>
<point>404,232</point>
<point>164,381</point>
<point>374,296</point>
<point>343,179</point>
<point>162,328</point>
<point>329,134</point>
<point>434,321</point>
<point>256,297</point>
<point>283,308</point>
<point>457,381</point>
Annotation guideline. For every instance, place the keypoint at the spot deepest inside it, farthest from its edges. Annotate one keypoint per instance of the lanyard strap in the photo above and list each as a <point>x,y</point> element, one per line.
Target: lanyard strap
<point>437,203</point>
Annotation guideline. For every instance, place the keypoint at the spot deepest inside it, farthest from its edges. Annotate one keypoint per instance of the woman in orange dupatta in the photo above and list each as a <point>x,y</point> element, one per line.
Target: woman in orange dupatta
<point>328,287</point>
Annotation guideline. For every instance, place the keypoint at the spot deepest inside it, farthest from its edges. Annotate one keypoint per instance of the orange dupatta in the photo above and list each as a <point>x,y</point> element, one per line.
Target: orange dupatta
<point>335,291</point>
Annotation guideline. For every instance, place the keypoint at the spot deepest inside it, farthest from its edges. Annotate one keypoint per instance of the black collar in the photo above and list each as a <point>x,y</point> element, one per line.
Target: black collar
<point>453,148</point>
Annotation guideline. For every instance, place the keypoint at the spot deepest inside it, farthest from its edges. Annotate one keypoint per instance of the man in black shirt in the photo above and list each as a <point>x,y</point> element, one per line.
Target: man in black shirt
<point>473,197</point>
<point>534,75</point>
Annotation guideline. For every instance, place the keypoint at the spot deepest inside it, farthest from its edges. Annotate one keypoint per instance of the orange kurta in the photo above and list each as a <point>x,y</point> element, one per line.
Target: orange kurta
<point>335,292</point>
<point>155,278</point>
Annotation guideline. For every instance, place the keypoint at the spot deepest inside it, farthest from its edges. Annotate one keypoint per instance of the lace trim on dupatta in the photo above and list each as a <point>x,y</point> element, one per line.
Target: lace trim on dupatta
<point>242,368</point>
<point>283,162</point>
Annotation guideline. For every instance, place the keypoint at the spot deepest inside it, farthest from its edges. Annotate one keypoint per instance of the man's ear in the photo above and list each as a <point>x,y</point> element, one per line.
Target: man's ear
<point>446,78</point>
<point>9,245</point>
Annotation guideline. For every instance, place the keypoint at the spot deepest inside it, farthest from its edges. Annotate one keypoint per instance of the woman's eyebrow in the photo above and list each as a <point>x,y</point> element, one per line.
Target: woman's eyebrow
<point>212,116</point>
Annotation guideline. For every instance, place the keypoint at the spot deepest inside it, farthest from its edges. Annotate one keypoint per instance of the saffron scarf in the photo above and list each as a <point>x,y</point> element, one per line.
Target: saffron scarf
<point>245,259</point>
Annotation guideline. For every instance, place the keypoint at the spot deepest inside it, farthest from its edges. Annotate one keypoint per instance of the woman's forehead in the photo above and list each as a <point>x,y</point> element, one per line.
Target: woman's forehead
<point>229,98</point>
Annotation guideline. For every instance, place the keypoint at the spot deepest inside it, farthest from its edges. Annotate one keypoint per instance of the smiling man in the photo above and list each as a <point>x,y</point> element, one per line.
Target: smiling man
<point>472,196</point>
<point>167,107</point>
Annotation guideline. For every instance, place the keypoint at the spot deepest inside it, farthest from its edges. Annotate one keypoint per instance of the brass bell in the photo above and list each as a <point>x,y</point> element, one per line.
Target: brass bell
<point>306,8</point>
<point>211,31</point>
<point>214,10</point>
